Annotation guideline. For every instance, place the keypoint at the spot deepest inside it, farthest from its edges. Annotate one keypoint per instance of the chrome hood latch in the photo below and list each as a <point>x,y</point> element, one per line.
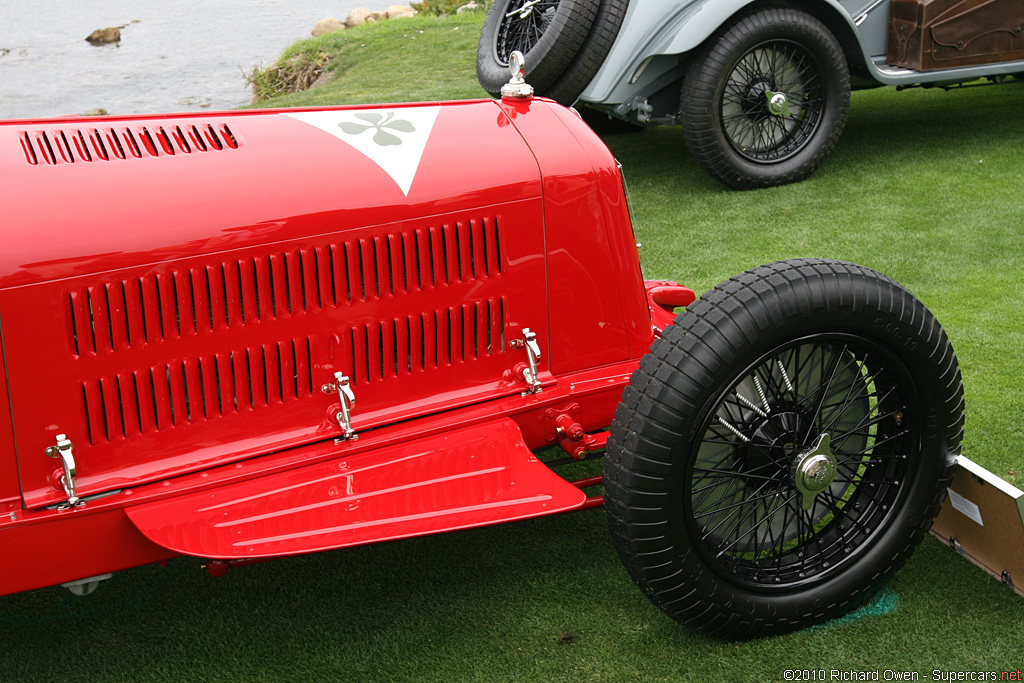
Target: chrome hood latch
<point>529,374</point>
<point>347,399</point>
<point>65,451</point>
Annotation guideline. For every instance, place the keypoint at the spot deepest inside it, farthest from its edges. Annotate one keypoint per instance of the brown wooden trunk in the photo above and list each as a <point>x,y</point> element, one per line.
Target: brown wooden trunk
<point>939,34</point>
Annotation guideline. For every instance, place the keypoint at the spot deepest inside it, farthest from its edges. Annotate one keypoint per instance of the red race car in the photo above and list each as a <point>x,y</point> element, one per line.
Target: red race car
<point>246,335</point>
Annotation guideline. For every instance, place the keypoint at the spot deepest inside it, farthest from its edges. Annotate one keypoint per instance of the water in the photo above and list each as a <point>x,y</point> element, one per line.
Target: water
<point>181,55</point>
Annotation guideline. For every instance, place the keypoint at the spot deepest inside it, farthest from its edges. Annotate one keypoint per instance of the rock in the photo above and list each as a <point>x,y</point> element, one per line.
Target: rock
<point>468,7</point>
<point>357,17</point>
<point>324,77</point>
<point>103,36</point>
<point>97,112</point>
<point>377,16</point>
<point>328,25</point>
<point>396,11</point>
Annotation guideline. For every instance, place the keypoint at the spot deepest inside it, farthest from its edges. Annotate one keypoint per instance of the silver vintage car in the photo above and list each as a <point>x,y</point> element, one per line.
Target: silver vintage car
<point>760,87</point>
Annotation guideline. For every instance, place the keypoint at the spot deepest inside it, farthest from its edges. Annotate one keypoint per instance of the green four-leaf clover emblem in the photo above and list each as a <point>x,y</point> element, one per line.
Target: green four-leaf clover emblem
<point>378,123</point>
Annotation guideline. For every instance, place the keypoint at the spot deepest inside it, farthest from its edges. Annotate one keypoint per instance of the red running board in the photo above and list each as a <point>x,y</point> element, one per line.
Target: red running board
<point>477,476</point>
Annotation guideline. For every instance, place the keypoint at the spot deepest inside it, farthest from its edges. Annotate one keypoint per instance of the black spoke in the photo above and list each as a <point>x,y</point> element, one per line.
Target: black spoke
<point>729,473</point>
<point>752,127</point>
<point>746,501</point>
<point>742,492</point>
<point>709,532</point>
<point>521,27</point>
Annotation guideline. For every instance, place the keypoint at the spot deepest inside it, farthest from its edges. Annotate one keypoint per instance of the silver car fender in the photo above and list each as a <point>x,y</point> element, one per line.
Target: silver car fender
<point>654,30</point>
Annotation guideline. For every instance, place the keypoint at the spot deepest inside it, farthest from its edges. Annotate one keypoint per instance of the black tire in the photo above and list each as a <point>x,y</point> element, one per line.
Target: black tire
<point>584,66</point>
<point>700,476</point>
<point>734,131</point>
<point>549,33</point>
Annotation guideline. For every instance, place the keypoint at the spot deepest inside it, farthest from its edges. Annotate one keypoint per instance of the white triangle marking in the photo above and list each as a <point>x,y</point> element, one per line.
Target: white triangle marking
<point>394,139</point>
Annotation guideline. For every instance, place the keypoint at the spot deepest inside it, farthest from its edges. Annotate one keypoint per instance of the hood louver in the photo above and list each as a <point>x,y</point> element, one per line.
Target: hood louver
<point>196,390</point>
<point>173,307</point>
<point>55,146</point>
<point>121,314</point>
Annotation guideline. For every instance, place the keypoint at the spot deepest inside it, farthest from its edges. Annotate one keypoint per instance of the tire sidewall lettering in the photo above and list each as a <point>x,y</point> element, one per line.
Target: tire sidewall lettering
<point>896,333</point>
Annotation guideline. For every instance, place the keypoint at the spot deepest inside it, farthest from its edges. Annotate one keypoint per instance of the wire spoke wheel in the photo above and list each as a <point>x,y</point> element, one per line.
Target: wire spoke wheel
<point>522,27</point>
<point>782,448</point>
<point>767,513</point>
<point>765,99</point>
<point>773,101</point>
<point>549,33</point>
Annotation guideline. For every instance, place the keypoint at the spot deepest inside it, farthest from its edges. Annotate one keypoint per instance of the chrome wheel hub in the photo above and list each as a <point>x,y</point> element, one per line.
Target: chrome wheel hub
<point>814,470</point>
<point>778,105</point>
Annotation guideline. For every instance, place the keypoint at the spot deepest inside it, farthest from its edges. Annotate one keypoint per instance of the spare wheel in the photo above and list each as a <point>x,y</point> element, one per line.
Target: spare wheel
<point>591,56</point>
<point>549,33</point>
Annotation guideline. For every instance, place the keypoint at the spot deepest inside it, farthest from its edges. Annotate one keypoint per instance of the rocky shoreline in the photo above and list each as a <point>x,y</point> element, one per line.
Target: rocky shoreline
<point>358,17</point>
<point>362,15</point>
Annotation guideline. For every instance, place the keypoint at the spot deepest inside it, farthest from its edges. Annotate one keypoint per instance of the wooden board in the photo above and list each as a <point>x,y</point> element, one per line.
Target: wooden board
<point>983,519</point>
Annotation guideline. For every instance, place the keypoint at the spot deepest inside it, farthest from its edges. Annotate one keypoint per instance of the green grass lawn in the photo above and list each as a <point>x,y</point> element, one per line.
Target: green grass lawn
<point>924,186</point>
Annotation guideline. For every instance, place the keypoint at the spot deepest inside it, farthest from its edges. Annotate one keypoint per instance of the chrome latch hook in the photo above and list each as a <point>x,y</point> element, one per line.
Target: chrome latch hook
<point>65,451</point>
<point>529,342</point>
<point>347,399</point>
